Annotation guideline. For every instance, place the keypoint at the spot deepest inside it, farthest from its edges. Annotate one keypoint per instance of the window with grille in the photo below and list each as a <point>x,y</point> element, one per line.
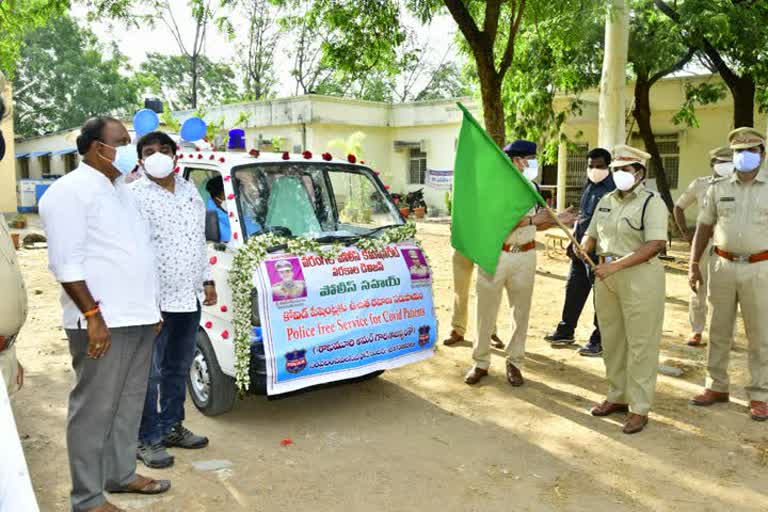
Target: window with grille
<point>70,162</point>
<point>576,174</point>
<point>670,157</point>
<point>417,167</point>
<point>45,164</point>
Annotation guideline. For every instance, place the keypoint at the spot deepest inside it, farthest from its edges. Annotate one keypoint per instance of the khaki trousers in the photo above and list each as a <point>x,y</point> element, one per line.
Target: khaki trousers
<point>462,278</point>
<point>744,285</point>
<point>515,273</point>
<point>631,316</point>
<point>697,307</point>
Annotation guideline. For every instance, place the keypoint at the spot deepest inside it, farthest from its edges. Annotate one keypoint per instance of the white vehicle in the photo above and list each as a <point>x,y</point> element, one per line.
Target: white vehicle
<point>331,201</point>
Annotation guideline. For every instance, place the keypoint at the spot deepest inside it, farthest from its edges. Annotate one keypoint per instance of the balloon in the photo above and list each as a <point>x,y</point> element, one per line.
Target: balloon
<point>145,121</point>
<point>193,129</point>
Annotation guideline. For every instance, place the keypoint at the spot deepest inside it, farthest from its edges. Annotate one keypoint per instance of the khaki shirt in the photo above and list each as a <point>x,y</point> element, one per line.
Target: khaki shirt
<point>739,213</point>
<point>617,221</point>
<point>524,234</point>
<point>695,192</point>
<point>13,306</point>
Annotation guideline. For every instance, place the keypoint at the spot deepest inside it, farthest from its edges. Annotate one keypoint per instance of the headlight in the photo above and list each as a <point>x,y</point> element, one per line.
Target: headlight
<point>255,318</point>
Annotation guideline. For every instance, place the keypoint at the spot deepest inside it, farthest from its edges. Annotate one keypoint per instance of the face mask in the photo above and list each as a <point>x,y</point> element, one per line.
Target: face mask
<point>746,161</point>
<point>158,165</point>
<point>531,170</point>
<point>597,175</point>
<point>126,158</point>
<point>723,169</point>
<point>624,180</point>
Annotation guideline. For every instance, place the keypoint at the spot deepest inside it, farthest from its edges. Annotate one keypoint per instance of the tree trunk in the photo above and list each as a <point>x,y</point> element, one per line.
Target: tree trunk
<point>195,79</point>
<point>642,114</point>
<point>493,107</point>
<point>743,91</point>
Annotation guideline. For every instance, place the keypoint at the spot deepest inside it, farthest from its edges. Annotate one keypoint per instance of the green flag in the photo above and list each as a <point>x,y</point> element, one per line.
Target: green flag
<point>490,195</point>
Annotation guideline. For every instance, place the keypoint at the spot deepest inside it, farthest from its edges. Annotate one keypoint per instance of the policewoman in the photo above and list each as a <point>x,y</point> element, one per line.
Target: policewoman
<point>628,231</point>
<point>735,216</point>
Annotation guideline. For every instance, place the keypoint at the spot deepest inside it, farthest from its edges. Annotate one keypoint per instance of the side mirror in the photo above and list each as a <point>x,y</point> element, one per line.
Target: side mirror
<point>212,231</point>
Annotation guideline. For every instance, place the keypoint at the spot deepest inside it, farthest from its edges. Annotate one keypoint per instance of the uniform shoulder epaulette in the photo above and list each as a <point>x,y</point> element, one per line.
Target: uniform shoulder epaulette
<point>719,179</point>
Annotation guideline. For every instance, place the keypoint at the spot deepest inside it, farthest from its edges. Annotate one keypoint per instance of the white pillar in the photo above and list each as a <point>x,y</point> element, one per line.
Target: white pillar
<point>562,178</point>
<point>611,129</point>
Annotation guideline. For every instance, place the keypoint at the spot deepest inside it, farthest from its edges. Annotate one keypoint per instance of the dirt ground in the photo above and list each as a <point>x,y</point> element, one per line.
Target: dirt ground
<point>418,438</point>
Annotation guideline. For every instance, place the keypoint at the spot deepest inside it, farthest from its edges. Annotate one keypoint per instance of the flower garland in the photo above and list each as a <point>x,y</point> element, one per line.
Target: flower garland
<point>249,256</point>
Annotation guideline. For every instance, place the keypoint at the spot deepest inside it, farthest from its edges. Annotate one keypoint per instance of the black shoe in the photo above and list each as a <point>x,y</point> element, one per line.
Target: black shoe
<point>591,349</point>
<point>180,437</point>
<point>558,339</point>
<point>154,455</point>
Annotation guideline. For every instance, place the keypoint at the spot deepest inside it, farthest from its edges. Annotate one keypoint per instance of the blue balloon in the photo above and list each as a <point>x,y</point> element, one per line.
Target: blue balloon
<point>193,129</point>
<point>145,121</point>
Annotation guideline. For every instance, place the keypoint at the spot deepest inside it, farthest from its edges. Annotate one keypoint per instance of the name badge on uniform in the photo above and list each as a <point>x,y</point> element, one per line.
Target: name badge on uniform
<point>603,209</point>
<point>727,199</point>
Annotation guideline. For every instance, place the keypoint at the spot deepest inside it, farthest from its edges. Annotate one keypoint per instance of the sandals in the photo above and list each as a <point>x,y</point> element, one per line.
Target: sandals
<point>144,485</point>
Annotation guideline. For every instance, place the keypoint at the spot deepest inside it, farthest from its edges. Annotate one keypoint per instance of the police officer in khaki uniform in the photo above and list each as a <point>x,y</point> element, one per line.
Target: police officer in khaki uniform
<point>735,214</point>
<point>722,166</point>
<point>629,229</point>
<point>13,306</point>
<point>515,273</point>
<point>462,278</point>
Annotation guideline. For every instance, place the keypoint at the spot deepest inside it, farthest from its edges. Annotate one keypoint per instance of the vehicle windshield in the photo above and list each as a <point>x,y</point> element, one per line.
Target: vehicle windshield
<point>312,199</point>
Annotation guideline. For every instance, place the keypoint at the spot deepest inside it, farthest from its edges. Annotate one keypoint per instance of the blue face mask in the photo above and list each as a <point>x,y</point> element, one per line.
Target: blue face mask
<point>126,158</point>
<point>746,161</point>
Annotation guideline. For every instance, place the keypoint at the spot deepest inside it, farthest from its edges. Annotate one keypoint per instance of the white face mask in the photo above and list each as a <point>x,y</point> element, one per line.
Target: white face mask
<point>723,169</point>
<point>531,170</point>
<point>746,161</point>
<point>158,165</point>
<point>624,180</point>
<point>597,175</point>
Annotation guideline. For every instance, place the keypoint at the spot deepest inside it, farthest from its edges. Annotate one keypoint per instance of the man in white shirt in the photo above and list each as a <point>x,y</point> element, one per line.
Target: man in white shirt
<point>99,250</point>
<point>175,213</point>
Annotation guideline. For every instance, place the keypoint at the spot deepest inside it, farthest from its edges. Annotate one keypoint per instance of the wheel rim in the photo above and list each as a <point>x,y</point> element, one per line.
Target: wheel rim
<point>199,377</point>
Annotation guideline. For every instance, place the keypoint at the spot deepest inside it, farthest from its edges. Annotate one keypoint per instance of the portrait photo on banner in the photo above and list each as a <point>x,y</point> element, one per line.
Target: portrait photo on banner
<point>287,279</point>
<point>417,264</point>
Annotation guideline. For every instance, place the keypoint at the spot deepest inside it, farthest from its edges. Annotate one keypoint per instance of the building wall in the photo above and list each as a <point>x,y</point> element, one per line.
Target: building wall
<point>7,174</point>
<point>667,96</point>
<point>54,142</point>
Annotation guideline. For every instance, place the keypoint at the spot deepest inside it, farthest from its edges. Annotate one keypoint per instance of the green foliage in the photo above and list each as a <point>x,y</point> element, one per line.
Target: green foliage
<point>557,53</point>
<point>172,74</point>
<point>65,76</point>
<point>701,94</point>
<point>17,18</point>
<point>171,123</point>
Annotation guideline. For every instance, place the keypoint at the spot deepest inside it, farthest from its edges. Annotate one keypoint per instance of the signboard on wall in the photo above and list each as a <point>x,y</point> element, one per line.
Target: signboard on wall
<point>440,179</point>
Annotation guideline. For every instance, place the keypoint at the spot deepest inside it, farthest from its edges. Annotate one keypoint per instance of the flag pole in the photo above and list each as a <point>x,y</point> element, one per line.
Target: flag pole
<point>567,231</point>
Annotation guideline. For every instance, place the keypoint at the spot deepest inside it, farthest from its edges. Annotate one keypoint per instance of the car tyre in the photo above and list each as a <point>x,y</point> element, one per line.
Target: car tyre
<point>212,391</point>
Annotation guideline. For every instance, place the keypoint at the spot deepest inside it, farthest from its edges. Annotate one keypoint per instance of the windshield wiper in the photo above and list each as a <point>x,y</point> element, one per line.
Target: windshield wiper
<point>337,238</point>
<point>382,228</point>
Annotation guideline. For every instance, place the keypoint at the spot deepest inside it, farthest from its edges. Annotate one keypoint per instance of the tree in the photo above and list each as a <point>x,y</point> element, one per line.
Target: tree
<point>204,14</point>
<point>258,52</point>
<point>656,49</point>
<point>493,50</point>
<point>65,76</point>
<point>556,57</point>
<point>17,18</point>
<point>214,82</point>
<point>732,36</point>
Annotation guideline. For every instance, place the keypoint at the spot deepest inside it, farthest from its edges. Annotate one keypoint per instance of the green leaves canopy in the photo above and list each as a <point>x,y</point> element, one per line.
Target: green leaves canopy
<point>65,76</point>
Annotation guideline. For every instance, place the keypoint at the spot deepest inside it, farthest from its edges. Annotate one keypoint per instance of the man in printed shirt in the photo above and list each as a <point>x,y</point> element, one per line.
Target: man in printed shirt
<point>176,216</point>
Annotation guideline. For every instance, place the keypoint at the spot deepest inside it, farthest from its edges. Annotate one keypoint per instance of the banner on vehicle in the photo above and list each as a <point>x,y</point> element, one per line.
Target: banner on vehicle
<point>325,320</point>
<point>440,179</point>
